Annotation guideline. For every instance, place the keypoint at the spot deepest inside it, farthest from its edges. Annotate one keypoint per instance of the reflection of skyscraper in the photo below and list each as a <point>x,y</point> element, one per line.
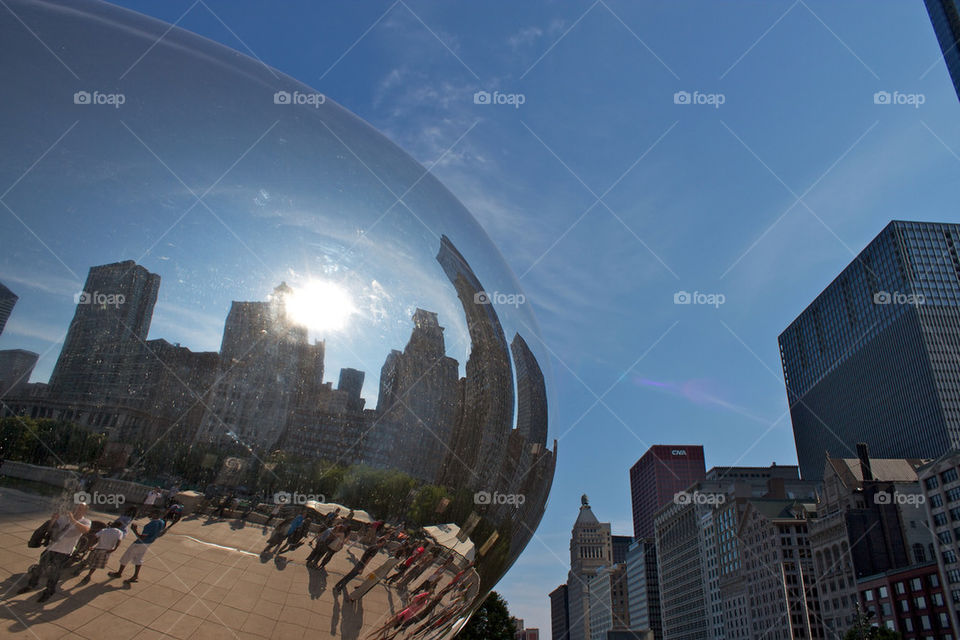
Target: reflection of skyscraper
<point>481,433</point>
<point>15,368</point>
<point>111,322</point>
<point>531,393</point>
<point>7,300</point>
<point>945,16</point>
<point>420,399</point>
<point>351,383</point>
<point>268,367</point>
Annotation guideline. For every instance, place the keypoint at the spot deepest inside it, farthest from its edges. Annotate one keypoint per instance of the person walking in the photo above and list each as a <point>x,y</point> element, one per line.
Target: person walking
<point>138,548</point>
<point>108,539</point>
<point>360,565</point>
<point>151,500</point>
<point>67,529</point>
<point>279,534</point>
<point>319,544</point>
<point>334,543</point>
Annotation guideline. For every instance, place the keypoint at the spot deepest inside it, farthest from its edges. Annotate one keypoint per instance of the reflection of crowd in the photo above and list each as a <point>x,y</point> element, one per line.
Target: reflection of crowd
<point>427,607</point>
<point>389,554</point>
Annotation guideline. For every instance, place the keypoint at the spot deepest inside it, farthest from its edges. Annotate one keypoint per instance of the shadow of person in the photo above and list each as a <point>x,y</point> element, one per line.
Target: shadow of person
<point>335,614</point>
<point>9,586</point>
<point>64,602</point>
<point>238,524</point>
<point>352,620</point>
<point>280,562</point>
<point>265,556</point>
<point>318,582</point>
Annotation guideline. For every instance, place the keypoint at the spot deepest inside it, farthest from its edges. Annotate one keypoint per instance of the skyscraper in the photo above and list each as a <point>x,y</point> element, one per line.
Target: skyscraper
<point>945,16</point>
<point>657,476</point>
<point>559,614</point>
<point>531,393</point>
<point>873,358</point>
<point>591,550</point>
<point>109,327</point>
<point>7,300</point>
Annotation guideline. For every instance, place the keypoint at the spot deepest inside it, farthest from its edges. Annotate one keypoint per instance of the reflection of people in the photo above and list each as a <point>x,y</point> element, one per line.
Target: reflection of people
<point>360,565</point>
<point>67,529</point>
<point>138,548</point>
<point>128,516</point>
<point>279,534</point>
<point>319,544</point>
<point>151,500</point>
<point>414,554</point>
<point>334,544</point>
<point>108,539</point>
<point>296,533</point>
<point>173,514</point>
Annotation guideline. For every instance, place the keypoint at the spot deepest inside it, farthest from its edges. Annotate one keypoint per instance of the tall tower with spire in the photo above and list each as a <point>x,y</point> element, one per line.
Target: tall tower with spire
<point>591,549</point>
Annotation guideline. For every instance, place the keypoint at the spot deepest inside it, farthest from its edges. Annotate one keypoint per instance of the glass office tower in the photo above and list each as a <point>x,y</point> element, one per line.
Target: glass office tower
<point>945,16</point>
<point>876,357</point>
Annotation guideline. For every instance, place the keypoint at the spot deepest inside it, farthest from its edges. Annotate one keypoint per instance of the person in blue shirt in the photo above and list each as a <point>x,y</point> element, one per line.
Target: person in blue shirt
<point>138,549</point>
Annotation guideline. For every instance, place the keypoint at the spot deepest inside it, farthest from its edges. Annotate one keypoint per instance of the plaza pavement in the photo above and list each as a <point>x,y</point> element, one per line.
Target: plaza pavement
<point>189,588</point>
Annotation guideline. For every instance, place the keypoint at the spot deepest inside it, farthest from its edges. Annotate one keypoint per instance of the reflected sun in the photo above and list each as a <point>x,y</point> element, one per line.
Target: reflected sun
<point>320,306</point>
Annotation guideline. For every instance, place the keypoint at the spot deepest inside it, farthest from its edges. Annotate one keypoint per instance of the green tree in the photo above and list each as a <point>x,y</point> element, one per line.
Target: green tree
<point>490,622</point>
<point>862,630</point>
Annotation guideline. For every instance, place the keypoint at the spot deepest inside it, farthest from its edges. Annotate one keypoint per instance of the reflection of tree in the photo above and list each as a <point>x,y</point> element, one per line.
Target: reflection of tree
<point>45,441</point>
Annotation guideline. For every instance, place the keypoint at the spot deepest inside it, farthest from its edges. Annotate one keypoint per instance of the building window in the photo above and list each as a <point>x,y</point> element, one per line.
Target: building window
<point>931,482</point>
<point>950,475</point>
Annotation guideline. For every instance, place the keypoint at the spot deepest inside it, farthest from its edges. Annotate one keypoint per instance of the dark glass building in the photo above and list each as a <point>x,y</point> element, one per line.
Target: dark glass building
<point>7,300</point>
<point>657,476</point>
<point>559,614</point>
<point>945,16</point>
<point>874,358</point>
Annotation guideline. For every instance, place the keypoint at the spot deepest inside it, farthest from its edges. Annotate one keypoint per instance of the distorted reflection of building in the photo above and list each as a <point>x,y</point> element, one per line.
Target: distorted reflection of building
<point>484,423</point>
<point>16,365</point>
<point>268,369</point>
<point>418,400</point>
<point>265,389</point>
<point>7,300</point>
<point>109,326</point>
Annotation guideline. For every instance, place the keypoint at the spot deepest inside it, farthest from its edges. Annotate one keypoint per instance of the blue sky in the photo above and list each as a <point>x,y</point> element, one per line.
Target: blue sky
<point>606,197</point>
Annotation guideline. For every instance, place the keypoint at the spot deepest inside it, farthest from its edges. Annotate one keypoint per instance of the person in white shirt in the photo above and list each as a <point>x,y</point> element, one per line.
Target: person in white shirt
<point>108,539</point>
<point>66,531</point>
<point>151,499</point>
